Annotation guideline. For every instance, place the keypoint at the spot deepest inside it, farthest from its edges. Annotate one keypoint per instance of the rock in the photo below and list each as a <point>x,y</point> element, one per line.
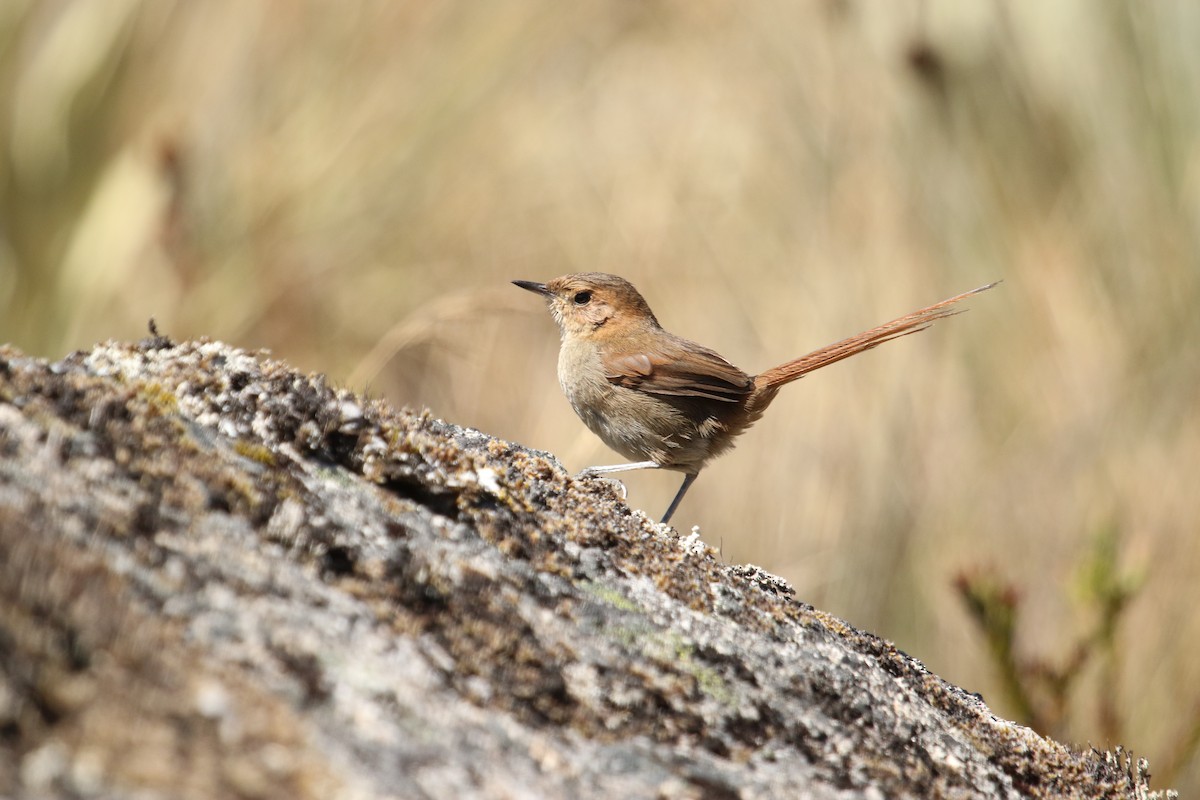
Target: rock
<point>221,578</point>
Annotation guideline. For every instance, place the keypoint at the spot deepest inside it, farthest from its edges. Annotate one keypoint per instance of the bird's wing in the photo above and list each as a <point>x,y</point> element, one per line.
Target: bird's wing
<point>678,368</point>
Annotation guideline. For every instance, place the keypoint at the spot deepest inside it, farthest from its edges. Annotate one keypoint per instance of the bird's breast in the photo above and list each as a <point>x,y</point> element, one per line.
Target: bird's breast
<point>636,424</point>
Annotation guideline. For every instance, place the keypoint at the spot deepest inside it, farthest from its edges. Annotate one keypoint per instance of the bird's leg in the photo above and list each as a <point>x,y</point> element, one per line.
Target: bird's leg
<point>592,472</point>
<point>687,483</point>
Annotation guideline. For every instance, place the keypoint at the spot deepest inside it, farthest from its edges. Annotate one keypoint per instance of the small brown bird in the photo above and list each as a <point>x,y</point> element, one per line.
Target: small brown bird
<point>664,401</point>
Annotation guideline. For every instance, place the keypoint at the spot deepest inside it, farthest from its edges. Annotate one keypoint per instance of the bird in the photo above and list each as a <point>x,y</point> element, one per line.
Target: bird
<point>661,400</point>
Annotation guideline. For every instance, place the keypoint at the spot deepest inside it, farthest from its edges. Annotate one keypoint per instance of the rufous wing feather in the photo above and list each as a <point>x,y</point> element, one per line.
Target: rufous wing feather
<point>672,370</point>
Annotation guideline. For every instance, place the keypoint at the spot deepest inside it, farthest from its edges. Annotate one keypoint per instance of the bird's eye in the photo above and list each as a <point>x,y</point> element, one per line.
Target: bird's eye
<point>582,298</point>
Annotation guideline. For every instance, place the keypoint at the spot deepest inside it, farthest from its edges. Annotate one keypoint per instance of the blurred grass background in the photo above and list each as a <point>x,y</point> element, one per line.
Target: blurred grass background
<point>353,186</point>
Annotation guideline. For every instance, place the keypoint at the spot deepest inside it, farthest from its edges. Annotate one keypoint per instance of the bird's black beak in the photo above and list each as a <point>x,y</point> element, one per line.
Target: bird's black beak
<point>532,286</point>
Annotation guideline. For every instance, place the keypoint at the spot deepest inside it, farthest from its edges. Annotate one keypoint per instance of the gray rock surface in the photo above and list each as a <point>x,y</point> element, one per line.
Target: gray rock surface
<point>222,578</point>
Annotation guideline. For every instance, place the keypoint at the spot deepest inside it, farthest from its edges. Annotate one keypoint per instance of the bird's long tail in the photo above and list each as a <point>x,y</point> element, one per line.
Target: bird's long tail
<point>769,382</point>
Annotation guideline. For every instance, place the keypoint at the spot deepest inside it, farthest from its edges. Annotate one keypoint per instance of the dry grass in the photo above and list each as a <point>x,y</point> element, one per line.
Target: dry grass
<point>353,189</point>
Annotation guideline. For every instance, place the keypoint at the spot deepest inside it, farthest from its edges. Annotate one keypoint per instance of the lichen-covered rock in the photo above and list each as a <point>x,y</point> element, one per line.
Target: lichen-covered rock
<point>220,578</point>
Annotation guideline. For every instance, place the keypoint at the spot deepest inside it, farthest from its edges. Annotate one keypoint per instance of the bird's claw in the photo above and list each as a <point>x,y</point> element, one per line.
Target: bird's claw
<point>589,473</point>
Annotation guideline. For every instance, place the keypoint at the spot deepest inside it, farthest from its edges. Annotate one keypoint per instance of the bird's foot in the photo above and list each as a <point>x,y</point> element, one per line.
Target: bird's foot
<point>590,473</point>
